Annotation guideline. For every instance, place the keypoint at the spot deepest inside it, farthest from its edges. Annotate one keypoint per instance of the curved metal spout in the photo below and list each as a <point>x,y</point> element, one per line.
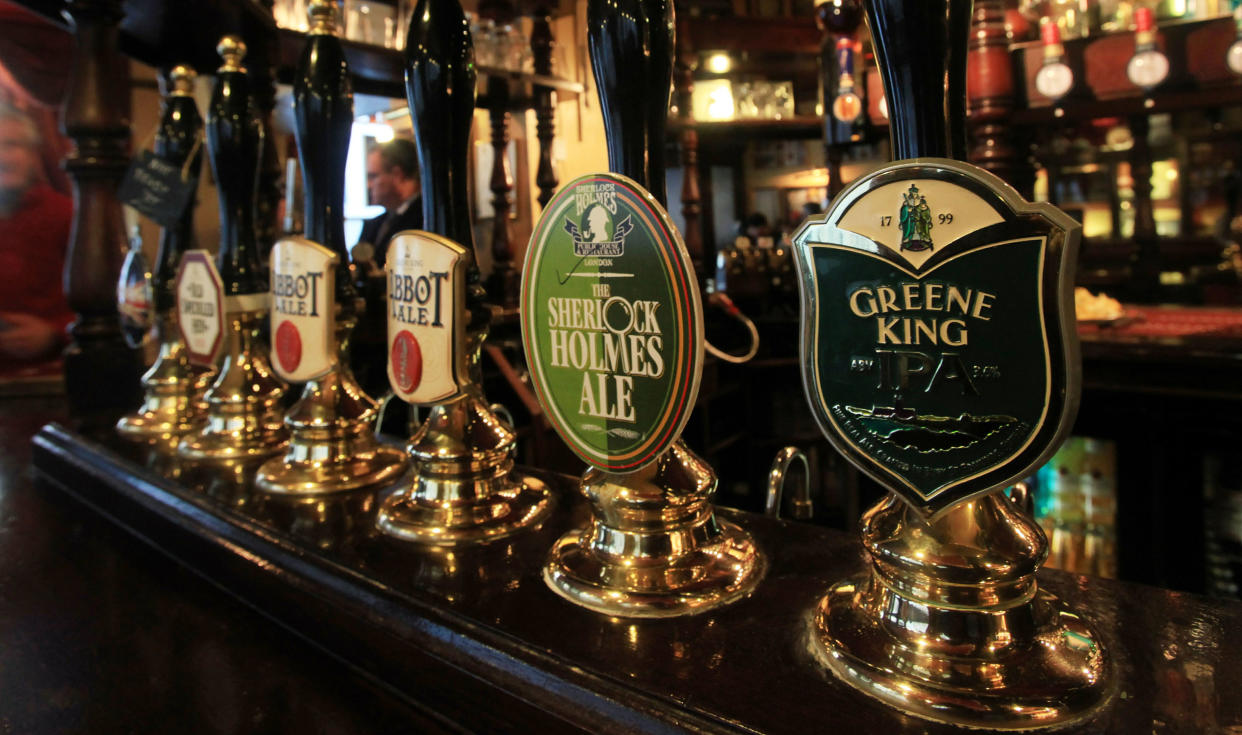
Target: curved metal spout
<point>803,509</point>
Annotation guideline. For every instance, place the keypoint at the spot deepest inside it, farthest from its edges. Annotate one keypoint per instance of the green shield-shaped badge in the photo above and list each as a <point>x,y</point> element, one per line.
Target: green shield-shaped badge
<point>938,344</point>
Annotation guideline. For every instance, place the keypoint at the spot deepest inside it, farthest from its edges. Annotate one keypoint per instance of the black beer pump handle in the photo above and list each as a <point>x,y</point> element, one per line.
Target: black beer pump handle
<point>234,142</point>
<point>439,83</point>
<point>661,29</point>
<point>323,109</point>
<point>920,47</point>
<point>176,141</point>
<point>618,41</point>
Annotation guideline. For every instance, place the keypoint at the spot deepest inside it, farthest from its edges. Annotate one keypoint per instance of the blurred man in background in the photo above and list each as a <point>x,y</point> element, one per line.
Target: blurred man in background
<point>393,183</point>
<point>34,232</point>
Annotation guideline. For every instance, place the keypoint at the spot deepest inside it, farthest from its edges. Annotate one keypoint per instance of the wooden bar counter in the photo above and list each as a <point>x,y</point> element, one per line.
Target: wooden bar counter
<point>106,634</point>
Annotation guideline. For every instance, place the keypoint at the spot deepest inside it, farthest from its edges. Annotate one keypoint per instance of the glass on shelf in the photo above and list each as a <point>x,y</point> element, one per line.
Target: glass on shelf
<point>368,22</point>
<point>291,14</point>
<point>764,100</point>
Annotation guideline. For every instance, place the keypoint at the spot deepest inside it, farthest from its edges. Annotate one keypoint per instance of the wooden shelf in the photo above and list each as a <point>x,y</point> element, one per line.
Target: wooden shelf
<point>804,126</point>
<point>162,34</point>
<point>380,71</point>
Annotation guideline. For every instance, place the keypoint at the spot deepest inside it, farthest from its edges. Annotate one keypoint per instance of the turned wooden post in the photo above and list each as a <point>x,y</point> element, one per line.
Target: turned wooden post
<point>1147,245</point>
<point>503,286</point>
<point>691,196</point>
<point>541,45</point>
<point>1140,172</point>
<point>101,370</point>
<point>991,99</point>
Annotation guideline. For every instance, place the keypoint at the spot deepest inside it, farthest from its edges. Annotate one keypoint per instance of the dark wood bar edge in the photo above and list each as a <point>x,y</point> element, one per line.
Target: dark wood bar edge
<point>473,638</point>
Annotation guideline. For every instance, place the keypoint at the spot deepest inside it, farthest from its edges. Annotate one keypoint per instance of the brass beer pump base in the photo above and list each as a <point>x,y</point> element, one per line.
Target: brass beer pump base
<point>173,404</point>
<point>463,489</point>
<point>332,447</point>
<point>950,624</point>
<point>654,548</point>
<point>243,420</point>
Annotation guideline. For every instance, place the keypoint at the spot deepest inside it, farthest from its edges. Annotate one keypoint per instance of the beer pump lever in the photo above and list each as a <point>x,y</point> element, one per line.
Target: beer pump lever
<point>243,413</point>
<point>939,355</point>
<point>654,546</point>
<point>464,489</point>
<point>315,305</point>
<point>174,385</point>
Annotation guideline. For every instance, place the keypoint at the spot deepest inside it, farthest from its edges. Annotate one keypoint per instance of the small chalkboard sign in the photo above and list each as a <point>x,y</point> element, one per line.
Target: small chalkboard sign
<point>156,188</point>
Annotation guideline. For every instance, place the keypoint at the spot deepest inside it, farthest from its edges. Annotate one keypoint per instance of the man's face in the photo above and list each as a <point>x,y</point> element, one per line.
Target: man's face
<point>381,184</point>
<point>19,161</point>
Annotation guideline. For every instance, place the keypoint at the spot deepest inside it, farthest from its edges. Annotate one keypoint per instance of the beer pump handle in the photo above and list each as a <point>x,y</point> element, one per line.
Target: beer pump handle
<point>234,142</point>
<point>920,48</point>
<point>440,86</point>
<point>618,40</point>
<point>323,110</point>
<point>176,142</point>
<point>660,34</point>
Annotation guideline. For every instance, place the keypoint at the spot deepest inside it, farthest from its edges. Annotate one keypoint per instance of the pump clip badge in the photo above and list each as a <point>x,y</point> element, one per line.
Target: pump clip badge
<point>426,317</point>
<point>939,350</point>
<point>611,322</point>
<point>303,309</point>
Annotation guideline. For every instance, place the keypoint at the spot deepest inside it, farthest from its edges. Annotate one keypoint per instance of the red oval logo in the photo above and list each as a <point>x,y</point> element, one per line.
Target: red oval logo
<point>407,361</point>
<point>288,346</point>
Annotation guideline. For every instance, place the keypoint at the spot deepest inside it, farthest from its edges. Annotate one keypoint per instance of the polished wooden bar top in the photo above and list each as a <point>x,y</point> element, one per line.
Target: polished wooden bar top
<point>107,632</point>
<point>101,634</point>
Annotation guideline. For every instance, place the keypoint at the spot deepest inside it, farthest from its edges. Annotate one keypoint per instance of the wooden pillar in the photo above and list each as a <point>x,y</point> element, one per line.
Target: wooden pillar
<point>503,289</point>
<point>101,370</point>
<point>691,195</point>
<point>541,45</point>
<point>991,99</point>
<point>1140,172</point>
<point>1147,245</point>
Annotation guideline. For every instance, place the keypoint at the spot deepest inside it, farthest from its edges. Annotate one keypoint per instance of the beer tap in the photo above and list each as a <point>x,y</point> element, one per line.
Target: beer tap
<point>949,622</point>
<point>332,444</point>
<point>654,546</point>
<point>463,488</point>
<point>243,413</point>
<point>174,386</point>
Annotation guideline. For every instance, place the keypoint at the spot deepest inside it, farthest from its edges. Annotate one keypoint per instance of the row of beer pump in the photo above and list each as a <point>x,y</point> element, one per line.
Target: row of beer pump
<point>949,623</point>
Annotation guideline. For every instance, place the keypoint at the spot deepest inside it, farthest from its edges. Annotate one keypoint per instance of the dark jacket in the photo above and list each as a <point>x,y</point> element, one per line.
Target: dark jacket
<point>412,219</point>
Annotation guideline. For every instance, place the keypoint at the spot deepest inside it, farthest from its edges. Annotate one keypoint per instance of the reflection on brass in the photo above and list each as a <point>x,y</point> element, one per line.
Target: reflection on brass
<point>332,447</point>
<point>243,412</point>
<point>654,547</point>
<point>228,484</point>
<point>950,623</point>
<point>232,50</point>
<point>173,405</point>
<point>326,522</point>
<point>182,78</point>
<point>463,488</point>
<point>322,17</point>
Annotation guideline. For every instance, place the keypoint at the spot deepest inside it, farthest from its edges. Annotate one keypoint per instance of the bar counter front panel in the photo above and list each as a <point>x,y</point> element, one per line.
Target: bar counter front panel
<point>106,635</point>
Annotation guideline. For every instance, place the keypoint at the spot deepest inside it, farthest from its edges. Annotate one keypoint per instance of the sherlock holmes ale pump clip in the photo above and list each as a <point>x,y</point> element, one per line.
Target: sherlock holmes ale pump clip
<point>613,330</point>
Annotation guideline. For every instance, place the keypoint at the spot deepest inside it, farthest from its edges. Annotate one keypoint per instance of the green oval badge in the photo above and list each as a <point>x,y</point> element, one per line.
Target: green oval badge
<point>612,322</point>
